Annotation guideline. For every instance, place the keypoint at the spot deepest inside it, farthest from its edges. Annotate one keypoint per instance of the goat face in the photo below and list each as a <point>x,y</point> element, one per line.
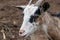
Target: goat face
<point>29,24</point>
<point>28,20</point>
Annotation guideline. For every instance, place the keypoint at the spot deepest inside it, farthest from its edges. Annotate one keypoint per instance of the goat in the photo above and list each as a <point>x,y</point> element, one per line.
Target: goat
<point>32,12</point>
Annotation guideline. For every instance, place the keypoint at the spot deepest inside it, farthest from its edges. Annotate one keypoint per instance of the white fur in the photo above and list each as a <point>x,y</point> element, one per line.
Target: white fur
<point>26,25</point>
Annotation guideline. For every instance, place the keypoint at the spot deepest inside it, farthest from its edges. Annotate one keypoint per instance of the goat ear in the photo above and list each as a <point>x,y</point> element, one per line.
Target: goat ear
<point>22,7</point>
<point>45,6</point>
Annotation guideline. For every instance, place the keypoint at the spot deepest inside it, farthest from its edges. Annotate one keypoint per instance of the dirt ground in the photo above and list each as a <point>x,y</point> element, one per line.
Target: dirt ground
<point>11,17</point>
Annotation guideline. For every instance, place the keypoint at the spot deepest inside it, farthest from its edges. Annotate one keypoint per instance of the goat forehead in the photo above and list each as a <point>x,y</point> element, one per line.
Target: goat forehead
<point>30,10</point>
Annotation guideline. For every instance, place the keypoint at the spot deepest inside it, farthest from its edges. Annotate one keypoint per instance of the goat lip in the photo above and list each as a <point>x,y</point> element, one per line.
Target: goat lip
<point>22,35</point>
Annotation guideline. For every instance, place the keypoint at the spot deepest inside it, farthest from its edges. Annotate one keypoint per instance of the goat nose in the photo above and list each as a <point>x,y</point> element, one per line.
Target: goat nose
<point>21,31</point>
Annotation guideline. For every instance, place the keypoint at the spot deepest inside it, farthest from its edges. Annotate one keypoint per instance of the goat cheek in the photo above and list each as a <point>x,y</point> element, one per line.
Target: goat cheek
<point>40,20</point>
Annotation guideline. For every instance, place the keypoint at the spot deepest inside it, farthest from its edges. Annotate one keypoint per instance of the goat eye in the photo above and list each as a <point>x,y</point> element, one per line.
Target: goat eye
<point>38,12</point>
<point>31,19</point>
<point>35,17</point>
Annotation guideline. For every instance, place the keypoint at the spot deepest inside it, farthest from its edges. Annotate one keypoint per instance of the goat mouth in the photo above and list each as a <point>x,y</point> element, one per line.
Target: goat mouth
<point>23,34</point>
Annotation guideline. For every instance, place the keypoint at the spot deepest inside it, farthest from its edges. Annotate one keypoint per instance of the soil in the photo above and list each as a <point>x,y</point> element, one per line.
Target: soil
<point>11,17</point>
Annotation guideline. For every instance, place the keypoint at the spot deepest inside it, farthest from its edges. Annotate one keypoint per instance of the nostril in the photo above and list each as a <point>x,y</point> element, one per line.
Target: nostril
<point>21,31</point>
